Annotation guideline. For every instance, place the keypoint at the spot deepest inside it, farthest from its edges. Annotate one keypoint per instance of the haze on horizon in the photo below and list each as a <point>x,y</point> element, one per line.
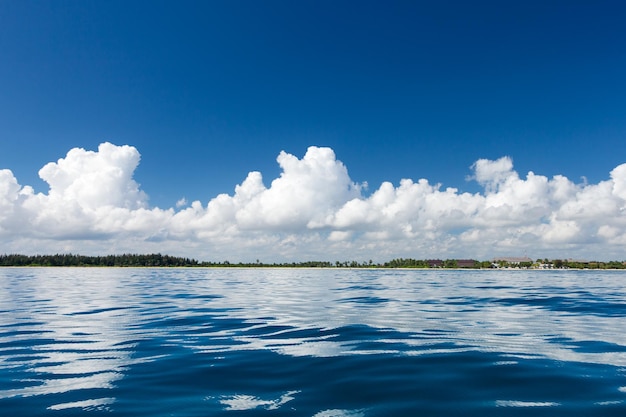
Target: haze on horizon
<point>312,210</point>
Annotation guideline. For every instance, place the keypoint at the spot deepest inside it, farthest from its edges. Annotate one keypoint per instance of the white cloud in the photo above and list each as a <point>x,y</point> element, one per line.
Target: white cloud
<point>9,193</point>
<point>492,174</point>
<point>181,202</point>
<point>306,193</point>
<point>96,179</point>
<point>313,210</point>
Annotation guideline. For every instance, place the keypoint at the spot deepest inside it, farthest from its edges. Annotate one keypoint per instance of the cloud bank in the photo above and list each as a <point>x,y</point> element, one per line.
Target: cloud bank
<point>313,210</point>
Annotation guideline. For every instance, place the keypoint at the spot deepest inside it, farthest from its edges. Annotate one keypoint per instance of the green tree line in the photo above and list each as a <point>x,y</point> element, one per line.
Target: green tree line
<point>109,260</point>
<point>159,260</point>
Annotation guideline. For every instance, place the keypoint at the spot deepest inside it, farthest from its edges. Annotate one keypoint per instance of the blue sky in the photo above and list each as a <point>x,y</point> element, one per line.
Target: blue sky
<point>209,91</point>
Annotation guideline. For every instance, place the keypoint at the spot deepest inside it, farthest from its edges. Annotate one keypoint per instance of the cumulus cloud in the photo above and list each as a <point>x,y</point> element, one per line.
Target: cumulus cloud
<point>313,210</point>
<point>491,174</point>
<point>96,179</point>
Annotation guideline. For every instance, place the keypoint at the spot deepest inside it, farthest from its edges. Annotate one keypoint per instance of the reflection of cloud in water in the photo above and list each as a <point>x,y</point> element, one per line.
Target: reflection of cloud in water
<point>468,310</point>
<point>250,402</point>
<point>73,325</point>
<point>100,404</point>
<point>339,413</point>
<point>321,349</point>
<point>525,404</point>
<point>61,385</point>
<point>79,331</point>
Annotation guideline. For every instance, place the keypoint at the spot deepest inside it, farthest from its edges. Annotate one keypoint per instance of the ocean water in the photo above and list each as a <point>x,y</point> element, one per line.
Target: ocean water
<point>311,342</point>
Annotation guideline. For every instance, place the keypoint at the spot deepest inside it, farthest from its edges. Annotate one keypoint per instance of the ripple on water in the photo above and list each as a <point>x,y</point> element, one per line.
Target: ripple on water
<point>321,343</point>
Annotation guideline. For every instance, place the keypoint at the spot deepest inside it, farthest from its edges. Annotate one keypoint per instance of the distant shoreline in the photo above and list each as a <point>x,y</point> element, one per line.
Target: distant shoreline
<point>310,268</point>
<point>166,261</point>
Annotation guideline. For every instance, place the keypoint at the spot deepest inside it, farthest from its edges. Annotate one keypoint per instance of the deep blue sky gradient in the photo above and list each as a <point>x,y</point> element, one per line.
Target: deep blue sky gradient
<point>210,90</point>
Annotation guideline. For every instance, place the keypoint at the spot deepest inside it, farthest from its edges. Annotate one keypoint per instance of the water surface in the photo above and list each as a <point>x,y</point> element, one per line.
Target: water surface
<point>309,342</point>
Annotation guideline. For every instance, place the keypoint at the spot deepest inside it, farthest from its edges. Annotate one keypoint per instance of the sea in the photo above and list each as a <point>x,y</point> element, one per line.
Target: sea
<point>311,342</point>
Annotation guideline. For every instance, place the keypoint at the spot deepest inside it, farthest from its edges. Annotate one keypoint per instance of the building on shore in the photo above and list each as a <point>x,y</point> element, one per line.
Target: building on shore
<point>434,263</point>
<point>465,263</point>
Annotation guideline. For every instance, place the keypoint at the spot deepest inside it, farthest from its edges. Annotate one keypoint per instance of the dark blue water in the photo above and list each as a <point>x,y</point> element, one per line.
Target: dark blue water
<point>300,342</point>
